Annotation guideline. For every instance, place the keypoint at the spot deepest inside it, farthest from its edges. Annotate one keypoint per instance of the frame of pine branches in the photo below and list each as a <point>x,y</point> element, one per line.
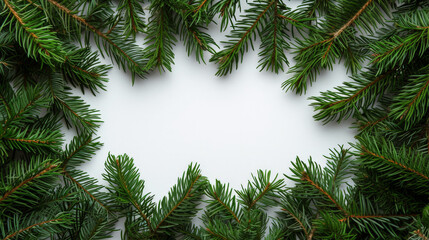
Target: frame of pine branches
<point>45,52</point>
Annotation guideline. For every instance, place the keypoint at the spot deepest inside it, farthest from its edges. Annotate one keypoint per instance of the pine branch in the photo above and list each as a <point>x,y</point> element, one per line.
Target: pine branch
<point>412,103</point>
<point>88,186</point>
<point>81,149</point>
<point>28,228</point>
<point>240,38</point>
<point>32,140</point>
<point>82,68</point>
<point>132,12</point>
<point>298,221</point>
<point>222,202</point>
<point>274,41</point>
<point>180,206</point>
<point>262,191</point>
<point>123,51</point>
<point>227,11</point>
<point>23,184</point>
<point>160,37</point>
<point>321,50</point>
<point>393,164</point>
<point>409,43</point>
<point>33,33</point>
<point>124,182</point>
<point>353,97</point>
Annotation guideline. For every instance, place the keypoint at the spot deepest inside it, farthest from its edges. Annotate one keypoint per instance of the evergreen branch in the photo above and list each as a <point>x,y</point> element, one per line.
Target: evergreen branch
<point>240,35</point>
<point>411,104</point>
<point>226,10</point>
<point>21,21</point>
<point>69,156</point>
<point>133,201</point>
<point>35,141</point>
<point>419,233</point>
<point>215,234</point>
<point>375,216</point>
<point>247,32</point>
<point>298,221</point>
<point>348,99</point>
<point>160,39</point>
<point>65,173</point>
<point>200,6</point>
<point>306,178</point>
<point>30,227</point>
<point>264,192</point>
<point>80,149</point>
<point>125,183</point>
<point>5,103</point>
<point>59,100</point>
<point>353,19</point>
<point>133,64</point>
<point>82,68</point>
<point>368,124</point>
<point>320,51</point>
<point>226,207</point>
<point>32,140</point>
<point>34,4</point>
<point>274,44</point>
<point>360,91</point>
<point>395,163</point>
<point>25,103</point>
<point>415,98</point>
<point>195,39</point>
<point>74,109</point>
<point>287,18</point>
<point>133,12</point>
<point>46,45</point>
<point>27,181</point>
<point>178,204</point>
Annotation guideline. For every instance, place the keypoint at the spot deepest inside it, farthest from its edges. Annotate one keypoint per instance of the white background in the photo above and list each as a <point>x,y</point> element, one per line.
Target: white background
<point>232,126</point>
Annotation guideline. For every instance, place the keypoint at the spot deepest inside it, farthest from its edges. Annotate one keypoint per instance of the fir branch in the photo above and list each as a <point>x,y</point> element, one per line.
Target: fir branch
<point>351,97</point>
<point>320,51</point>
<point>81,149</point>
<point>375,216</point>
<point>40,41</point>
<point>123,178</point>
<point>419,233</point>
<point>240,38</point>
<point>32,140</point>
<point>160,39</point>
<point>30,227</point>
<point>306,178</point>
<point>298,221</point>
<point>50,168</point>
<point>366,151</point>
<point>227,10</point>
<point>412,103</point>
<point>178,204</point>
<point>123,58</point>
<point>227,208</point>
<point>215,234</point>
<point>79,185</point>
<point>132,13</point>
<point>260,195</point>
<point>222,204</point>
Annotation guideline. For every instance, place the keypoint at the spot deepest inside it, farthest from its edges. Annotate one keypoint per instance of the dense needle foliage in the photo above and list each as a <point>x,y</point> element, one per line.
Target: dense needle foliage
<point>377,189</point>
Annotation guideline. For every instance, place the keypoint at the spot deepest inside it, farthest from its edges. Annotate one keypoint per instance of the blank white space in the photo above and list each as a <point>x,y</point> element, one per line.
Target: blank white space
<point>232,126</point>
